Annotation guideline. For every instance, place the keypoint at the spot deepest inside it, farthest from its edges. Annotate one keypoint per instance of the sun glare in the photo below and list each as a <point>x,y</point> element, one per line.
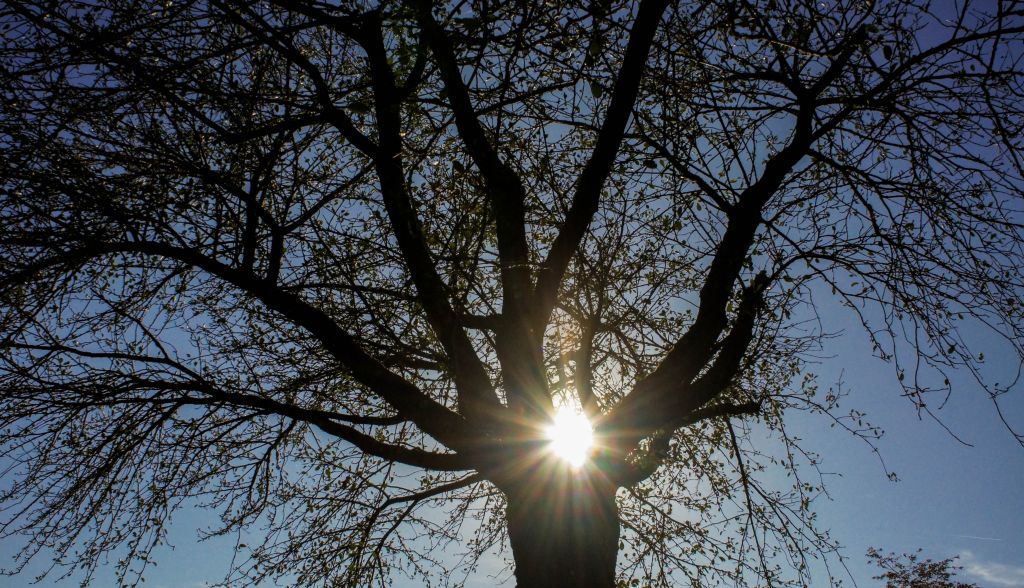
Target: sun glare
<point>571,436</point>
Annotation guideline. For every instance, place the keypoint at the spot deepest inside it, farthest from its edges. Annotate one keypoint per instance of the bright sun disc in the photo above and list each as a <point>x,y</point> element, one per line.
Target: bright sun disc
<point>571,436</point>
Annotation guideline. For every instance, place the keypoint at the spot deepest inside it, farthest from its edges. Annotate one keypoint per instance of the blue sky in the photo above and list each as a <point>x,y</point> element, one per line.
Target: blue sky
<point>950,498</point>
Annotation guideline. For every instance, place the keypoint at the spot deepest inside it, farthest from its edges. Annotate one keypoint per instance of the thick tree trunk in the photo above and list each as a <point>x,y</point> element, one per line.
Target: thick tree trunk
<point>564,529</point>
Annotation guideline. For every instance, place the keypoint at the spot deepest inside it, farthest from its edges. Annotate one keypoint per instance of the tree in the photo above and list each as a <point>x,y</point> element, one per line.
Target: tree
<point>330,269</point>
<point>905,571</point>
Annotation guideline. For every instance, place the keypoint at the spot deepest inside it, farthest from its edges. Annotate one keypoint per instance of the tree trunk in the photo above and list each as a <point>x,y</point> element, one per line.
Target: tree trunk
<point>564,529</point>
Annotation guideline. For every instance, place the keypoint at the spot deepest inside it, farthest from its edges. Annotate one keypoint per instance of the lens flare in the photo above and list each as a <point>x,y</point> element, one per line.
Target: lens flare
<point>570,436</point>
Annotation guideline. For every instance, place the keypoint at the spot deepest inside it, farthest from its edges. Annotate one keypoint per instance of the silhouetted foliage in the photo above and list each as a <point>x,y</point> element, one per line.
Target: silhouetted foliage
<point>909,571</point>
<point>328,268</point>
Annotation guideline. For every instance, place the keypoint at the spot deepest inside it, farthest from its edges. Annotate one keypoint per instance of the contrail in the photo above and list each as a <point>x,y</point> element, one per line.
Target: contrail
<point>978,538</point>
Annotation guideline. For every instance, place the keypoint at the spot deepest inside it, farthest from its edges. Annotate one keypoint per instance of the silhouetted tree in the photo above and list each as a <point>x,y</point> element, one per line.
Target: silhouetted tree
<point>908,571</point>
<point>329,268</point>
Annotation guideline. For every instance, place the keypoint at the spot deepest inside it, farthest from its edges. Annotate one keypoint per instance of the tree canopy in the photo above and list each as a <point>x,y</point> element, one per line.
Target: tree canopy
<point>329,269</point>
<point>909,570</point>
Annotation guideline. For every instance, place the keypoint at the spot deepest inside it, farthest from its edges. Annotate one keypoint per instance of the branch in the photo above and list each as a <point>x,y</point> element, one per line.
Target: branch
<point>414,499</point>
<point>584,376</point>
<point>505,187</point>
<point>477,398</point>
<point>725,409</point>
<point>732,350</point>
<point>645,467</point>
<point>667,398</point>
<point>199,383</point>
<point>640,413</point>
<point>284,125</point>
<point>273,39</point>
<point>326,421</point>
<point>595,173</point>
<point>641,410</point>
<point>518,347</point>
<point>431,492</point>
<point>433,418</point>
<point>489,322</point>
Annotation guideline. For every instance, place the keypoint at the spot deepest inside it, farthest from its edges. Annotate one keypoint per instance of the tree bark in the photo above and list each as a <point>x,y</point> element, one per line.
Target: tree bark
<point>564,528</point>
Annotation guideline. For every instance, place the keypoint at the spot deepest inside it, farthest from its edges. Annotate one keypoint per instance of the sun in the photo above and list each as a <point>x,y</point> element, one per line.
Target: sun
<point>570,436</point>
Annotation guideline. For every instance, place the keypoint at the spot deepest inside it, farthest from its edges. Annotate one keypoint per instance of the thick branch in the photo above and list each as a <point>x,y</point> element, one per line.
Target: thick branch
<point>638,414</point>
<point>430,416</point>
<point>657,452</point>
<point>660,404</point>
<point>504,186</point>
<point>732,350</point>
<point>584,376</point>
<point>518,344</point>
<point>477,398</point>
<point>325,421</point>
<point>328,424</point>
<point>588,187</point>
